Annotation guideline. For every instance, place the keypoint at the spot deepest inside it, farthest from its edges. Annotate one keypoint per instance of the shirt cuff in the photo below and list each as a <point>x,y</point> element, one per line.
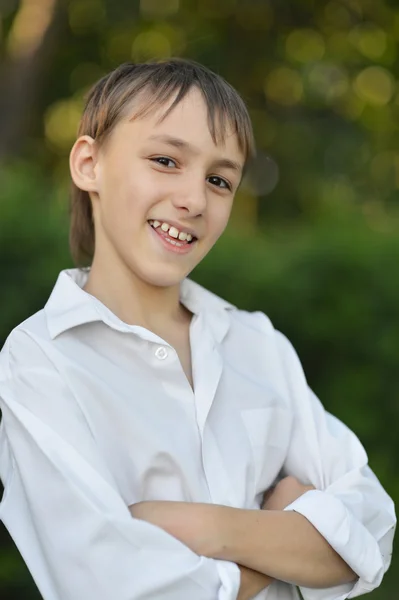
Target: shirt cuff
<point>230,577</point>
<point>339,592</point>
<point>347,536</point>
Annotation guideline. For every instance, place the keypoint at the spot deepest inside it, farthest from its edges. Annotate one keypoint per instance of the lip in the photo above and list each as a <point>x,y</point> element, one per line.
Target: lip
<point>168,246</point>
<point>178,226</point>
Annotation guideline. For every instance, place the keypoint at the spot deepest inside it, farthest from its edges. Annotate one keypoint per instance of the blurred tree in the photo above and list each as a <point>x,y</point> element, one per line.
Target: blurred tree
<point>29,44</point>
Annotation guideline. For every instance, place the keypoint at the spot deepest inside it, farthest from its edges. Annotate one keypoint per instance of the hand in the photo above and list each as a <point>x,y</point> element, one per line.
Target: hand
<point>286,491</point>
<point>252,583</point>
<point>193,523</point>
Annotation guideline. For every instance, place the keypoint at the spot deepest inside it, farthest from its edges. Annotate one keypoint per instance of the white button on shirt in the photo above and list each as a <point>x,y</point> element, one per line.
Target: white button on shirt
<point>161,353</point>
<point>96,419</point>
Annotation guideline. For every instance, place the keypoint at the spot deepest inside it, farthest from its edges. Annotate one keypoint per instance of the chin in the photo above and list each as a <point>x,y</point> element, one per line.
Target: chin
<point>163,276</point>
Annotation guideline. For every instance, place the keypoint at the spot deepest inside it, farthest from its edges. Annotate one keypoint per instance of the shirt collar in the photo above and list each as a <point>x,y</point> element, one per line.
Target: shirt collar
<point>70,306</point>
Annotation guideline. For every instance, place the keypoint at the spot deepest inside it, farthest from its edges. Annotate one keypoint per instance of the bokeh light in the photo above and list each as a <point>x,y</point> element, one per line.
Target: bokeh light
<point>61,123</point>
<point>304,45</point>
<point>375,85</point>
<point>370,40</point>
<point>337,16</point>
<point>328,81</point>
<point>157,8</point>
<point>284,86</point>
<point>151,44</point>
<point>262,175</point>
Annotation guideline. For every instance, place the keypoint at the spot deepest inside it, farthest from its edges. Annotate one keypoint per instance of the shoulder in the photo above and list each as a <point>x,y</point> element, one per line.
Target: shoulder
<point>30,369</point>
<point>26,343</point>
<point>37,401</point>
<point>265,354</point>
<point>251,326</point>
<point>257,327</point>
<point>254,347</point>
<point>34,384</point>
<point>253,322</point>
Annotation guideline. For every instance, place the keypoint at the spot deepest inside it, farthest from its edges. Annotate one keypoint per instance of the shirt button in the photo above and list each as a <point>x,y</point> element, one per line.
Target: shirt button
<point>161,353</point>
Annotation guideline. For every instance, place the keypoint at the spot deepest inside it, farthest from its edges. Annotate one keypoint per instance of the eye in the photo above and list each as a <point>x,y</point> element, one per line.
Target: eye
<point>219,182</point>
<point>165,162</point>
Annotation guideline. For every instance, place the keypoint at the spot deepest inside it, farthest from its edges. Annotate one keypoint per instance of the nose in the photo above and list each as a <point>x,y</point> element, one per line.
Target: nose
<point>191,198</point>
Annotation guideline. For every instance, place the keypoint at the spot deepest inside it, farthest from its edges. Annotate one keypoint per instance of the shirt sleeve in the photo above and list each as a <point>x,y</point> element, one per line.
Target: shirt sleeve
<point>63,510</point>
<point>349,507</point>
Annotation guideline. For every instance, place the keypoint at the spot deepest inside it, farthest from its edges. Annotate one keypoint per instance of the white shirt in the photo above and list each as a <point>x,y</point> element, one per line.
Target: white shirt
<point>98,415</point>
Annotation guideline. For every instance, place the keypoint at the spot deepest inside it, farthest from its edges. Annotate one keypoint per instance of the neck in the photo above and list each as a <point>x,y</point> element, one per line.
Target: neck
<point>133,300</point>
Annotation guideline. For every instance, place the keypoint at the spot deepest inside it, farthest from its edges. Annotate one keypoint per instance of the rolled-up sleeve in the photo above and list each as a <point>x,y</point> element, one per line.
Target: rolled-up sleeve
<point>66,516</point>
<point>349,507</point>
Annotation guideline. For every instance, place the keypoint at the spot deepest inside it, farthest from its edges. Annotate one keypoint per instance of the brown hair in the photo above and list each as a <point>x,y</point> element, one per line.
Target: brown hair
<point>107,104</point>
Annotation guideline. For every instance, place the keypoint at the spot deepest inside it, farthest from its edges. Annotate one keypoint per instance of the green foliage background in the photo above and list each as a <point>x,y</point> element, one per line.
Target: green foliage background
<point>313,240</point>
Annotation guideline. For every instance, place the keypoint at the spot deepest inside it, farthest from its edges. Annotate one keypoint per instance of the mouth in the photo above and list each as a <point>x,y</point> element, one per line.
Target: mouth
<point>173,239</point>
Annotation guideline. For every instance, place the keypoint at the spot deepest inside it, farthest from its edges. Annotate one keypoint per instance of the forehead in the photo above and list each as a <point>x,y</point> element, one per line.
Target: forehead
<point>188,120</point>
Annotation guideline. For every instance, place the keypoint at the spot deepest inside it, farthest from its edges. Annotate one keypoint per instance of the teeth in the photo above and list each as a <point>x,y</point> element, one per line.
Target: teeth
<point>173,231</point>
<point>174,243</point>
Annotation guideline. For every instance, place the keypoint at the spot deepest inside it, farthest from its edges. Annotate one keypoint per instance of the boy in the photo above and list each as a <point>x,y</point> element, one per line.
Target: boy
<point>143,417</point>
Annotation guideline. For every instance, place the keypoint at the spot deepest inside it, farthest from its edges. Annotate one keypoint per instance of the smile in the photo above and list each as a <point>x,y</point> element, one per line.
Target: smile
<point>180,242</point>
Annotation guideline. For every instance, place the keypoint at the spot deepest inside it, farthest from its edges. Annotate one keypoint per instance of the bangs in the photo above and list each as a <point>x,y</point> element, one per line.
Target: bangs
<point>225,115</point>
<point>154,85</point>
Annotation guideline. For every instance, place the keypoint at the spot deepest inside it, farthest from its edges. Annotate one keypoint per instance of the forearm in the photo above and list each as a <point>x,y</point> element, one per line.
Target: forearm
<point>196,526</point>
<point>252,582</point>
<point>282,544</point>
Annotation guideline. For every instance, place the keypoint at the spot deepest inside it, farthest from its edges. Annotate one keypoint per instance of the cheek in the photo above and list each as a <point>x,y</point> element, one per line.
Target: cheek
<point>126,196</point>
<point>218,216</point>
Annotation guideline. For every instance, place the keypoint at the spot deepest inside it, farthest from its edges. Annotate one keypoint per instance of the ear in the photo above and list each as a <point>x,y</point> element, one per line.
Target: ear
<point>82,163</point>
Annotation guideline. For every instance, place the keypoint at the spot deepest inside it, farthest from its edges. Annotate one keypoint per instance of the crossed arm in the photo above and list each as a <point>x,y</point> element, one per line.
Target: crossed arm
<point>267,545</point>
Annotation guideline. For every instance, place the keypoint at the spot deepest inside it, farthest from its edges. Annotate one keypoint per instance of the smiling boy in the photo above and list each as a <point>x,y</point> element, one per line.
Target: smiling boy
<point>145,420</point>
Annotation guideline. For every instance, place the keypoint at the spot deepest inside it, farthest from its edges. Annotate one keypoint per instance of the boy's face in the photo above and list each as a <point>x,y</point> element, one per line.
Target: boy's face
<point>150,175</point>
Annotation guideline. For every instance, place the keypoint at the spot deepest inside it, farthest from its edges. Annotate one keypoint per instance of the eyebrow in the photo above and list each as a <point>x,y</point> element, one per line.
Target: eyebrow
<point>182,144</point>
